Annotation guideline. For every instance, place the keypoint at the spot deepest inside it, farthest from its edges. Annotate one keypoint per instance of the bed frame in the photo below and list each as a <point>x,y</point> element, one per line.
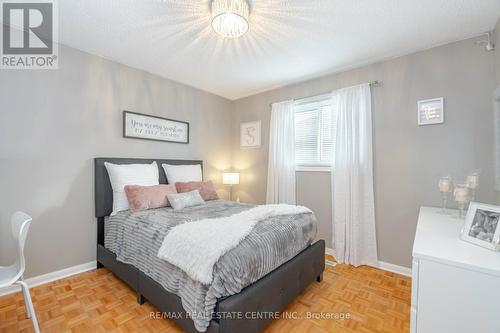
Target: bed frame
<point>270,294</point>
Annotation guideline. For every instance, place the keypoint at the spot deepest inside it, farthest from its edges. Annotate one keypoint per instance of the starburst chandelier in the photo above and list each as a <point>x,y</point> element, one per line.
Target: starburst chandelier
<point>230,17</point>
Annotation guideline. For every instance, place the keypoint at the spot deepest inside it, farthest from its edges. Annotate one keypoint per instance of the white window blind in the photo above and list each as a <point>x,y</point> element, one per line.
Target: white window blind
<point>314,143</point>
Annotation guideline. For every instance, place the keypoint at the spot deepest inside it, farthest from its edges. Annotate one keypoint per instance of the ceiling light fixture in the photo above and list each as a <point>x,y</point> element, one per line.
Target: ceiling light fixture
<point>230,17</point>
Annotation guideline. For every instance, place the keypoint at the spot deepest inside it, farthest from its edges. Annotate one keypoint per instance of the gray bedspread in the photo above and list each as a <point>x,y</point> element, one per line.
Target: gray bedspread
<point>136,237</point>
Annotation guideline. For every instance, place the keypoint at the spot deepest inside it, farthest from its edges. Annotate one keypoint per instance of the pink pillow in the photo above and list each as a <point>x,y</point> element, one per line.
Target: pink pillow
<point>147,197</point>
<point>206,189</point>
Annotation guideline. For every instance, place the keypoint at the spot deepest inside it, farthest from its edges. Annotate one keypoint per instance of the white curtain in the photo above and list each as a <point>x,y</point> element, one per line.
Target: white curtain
<point>354,237</point>
<point>281,167</point>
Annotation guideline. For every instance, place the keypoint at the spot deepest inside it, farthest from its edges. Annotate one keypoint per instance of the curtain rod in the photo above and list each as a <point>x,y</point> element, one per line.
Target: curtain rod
<point>375,83</point>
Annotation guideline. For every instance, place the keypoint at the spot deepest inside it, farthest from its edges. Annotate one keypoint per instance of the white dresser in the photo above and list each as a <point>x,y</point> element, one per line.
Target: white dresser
<point>455,284</point>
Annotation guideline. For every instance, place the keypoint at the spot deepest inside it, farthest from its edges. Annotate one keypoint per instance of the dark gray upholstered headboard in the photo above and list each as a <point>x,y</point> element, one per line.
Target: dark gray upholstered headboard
<point>102,188</point>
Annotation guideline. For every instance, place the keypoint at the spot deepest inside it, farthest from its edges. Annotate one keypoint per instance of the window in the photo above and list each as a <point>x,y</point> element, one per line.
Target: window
<point>313,132</point>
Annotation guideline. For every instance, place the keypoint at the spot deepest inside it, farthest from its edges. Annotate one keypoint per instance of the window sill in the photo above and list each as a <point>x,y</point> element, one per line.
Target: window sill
<point>303,168</point>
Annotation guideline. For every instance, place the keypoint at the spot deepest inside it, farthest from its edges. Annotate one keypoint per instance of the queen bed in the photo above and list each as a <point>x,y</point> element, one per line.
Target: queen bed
<point>262,274</point>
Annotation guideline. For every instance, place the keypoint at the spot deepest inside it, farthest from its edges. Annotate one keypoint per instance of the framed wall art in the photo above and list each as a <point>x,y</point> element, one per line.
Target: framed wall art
<point>250,134</point>
<point>147,127</point>
<point>430,111</point>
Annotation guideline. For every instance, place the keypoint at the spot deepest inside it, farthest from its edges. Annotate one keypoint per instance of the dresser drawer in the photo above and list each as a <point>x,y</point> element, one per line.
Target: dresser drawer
<point>456,300</point>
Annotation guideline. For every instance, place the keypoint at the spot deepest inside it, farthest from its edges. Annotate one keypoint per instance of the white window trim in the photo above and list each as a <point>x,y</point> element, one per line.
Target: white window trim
<point>313,168</point>
<point>316,99</point>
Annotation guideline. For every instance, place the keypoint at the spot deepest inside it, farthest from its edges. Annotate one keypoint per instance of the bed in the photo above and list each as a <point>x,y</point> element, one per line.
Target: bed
<point>270,293</point>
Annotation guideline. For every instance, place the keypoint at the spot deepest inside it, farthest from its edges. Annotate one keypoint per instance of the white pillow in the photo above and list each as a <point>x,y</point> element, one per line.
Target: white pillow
<point>182,173</point>
<point>129,174</point>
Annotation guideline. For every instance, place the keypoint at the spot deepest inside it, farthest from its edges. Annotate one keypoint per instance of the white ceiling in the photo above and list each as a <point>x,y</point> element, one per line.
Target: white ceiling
<point>288,40</point>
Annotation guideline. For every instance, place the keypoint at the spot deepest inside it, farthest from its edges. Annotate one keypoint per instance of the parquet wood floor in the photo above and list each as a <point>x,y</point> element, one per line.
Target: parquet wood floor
<point>96,301</point>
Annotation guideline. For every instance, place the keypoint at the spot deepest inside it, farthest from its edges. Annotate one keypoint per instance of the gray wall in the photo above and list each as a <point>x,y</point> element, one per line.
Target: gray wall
<point>53,123</point>
<point>408,159</point>
<point>314,191</point>
<point>496,96</point>
<point>496,34</point>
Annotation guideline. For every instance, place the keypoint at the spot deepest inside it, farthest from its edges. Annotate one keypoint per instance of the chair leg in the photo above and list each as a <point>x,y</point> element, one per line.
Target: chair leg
<point>28,312</point>
<point>29,305</point>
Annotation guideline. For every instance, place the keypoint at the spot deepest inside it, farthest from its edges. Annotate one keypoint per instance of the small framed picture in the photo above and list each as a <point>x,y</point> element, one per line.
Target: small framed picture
<point>250,134</point>
<point>430,111</point>
<point>481,225</point>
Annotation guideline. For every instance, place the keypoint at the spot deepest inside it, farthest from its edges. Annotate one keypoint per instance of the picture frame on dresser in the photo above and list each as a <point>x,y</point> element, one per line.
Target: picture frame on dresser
<point>482,226</point>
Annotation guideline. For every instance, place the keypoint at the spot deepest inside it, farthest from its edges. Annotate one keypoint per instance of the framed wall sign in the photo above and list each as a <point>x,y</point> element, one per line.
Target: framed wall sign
<point>143,126</point>
<point>430,111</point>
<point>250,134</point>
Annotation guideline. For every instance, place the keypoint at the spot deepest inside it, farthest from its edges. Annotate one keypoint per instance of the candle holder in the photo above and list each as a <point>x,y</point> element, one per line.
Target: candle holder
<point>461,194</point>
<point>444,186</point>
<point>472,183</point>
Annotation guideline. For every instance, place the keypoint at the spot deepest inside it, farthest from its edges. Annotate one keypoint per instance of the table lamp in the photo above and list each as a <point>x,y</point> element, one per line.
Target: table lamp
<point>230,178</point>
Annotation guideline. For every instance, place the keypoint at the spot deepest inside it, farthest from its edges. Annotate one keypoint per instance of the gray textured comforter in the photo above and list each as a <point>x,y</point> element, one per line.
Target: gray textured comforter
<point>136,237</point>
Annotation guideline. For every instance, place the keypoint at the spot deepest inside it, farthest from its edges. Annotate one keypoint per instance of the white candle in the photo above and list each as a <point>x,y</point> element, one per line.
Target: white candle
<point>444,185</point>
<point>472,181</point>
<point>461,194</point>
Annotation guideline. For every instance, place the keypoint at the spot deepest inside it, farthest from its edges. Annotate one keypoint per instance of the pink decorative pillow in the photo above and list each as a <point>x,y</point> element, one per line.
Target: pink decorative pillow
<point>147,197</point>
<point>206,189</point>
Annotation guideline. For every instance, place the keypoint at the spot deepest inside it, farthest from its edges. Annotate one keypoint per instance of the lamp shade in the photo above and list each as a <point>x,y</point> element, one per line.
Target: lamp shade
<point>230,178</point>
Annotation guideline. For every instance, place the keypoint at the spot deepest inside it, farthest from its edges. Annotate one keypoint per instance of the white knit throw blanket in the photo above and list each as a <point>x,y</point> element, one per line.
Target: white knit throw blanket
<point>195,247</point>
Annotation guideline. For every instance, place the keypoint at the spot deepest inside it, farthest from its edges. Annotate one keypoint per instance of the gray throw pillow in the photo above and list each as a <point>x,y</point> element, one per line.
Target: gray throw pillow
<point>185,199</point>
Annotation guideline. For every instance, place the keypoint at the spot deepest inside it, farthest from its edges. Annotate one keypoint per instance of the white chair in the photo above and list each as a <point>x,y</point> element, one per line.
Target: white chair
<point>13,274</point>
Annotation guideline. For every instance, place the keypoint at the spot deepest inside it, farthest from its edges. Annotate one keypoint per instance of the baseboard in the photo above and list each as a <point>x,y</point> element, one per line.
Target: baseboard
<point>330,251</point>
<point>406,271</point>
<point>330,263</point>
<point>49,277</point>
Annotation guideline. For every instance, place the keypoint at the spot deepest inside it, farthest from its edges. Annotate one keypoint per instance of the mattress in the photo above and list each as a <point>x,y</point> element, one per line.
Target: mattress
<point>136,237</point>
